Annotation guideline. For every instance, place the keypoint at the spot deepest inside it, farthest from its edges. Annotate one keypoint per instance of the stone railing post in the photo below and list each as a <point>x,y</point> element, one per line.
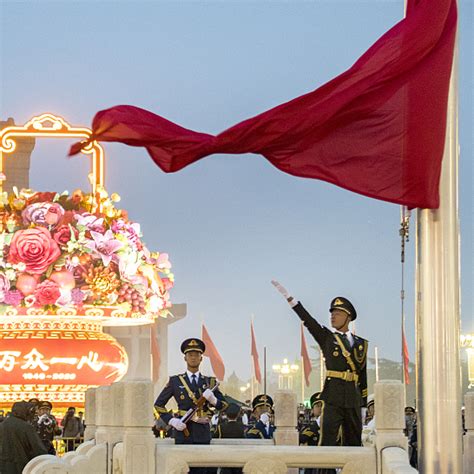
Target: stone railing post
<point>468,438</point>
<point>286,420</point>
<point>90,414</point>
<point>109,417</point>
<point>389,416</point>
<point>138,441</point>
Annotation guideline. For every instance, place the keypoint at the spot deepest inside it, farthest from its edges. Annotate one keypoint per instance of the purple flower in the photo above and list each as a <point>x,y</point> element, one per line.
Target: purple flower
<point>90,222</point>
<point>42,213</point>
<point>13,297</point>
<point>4,286</point>
<point>104,246</point>
<point>130,231</point>
<point>77,296</point>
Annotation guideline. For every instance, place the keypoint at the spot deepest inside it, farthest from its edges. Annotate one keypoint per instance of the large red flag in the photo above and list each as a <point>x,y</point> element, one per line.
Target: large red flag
<point>211,351</point>
<point>254,353</point>
<point>305,358</point>
<point>377,129</point>
<point>406,358</point>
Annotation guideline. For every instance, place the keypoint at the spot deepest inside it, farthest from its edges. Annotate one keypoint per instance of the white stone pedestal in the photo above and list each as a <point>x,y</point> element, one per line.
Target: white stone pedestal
<point>137,343</point>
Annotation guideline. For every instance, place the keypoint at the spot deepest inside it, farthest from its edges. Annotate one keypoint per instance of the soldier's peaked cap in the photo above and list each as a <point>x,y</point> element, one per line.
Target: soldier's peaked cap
<point>193,344</point>
<point>315,398</point>
<point>339,302</point>
<point>262,400</point>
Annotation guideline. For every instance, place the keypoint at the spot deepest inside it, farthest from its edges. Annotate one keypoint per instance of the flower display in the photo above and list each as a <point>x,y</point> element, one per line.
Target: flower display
<point>61,250</point>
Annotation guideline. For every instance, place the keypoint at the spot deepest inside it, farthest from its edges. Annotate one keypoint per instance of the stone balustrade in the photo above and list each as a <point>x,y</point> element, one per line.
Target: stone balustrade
<point>120,440</point>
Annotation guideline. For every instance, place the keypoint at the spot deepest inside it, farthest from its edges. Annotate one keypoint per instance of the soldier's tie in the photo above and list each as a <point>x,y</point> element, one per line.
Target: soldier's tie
<point>193,382</point>
<point>346,342</point>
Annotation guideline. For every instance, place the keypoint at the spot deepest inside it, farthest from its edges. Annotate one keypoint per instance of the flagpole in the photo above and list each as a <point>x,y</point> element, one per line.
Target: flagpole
<point>376,355</point>
<point>252,364</point>
<point>404,235</point>
<point>438,312</point>
<point>264,370</point>
<point>302,380</point>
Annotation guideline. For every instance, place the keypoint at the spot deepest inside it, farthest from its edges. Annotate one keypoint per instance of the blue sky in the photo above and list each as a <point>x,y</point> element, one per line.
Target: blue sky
<point>229,223</point>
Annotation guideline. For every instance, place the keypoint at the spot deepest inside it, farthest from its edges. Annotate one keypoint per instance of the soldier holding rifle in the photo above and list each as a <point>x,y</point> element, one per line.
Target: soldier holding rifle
<point>190,390</point>
<point>345,389</point>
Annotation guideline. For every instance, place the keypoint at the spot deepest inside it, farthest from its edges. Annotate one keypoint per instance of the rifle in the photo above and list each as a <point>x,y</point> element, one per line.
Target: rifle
<point>192,411</point>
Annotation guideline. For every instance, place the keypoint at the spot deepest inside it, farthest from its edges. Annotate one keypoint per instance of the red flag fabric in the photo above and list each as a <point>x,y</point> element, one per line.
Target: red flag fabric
<point>377,129</point>
<point>217,363</point>
<point>305,358</point>
<point>155,352</point>
<point>406,358</point>
<point>254,353</point>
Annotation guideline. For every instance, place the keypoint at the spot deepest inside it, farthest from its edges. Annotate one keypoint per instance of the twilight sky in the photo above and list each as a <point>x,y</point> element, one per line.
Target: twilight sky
<point>229,223</point>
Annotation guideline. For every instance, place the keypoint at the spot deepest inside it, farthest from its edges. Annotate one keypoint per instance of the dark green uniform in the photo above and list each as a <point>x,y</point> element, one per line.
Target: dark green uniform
<point>345,387</point>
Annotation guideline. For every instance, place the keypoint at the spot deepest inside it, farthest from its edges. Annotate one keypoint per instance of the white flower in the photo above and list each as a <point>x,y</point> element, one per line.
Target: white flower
<point>10,274</point>
<point>65,298</point>
<point>154,304</point>
<point>21,267</point>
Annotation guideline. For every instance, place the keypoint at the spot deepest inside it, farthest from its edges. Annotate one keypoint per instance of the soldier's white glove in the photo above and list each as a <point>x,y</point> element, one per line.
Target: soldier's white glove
<point>210,397</point>
<point>292,302</point>
<point>177,424</point>
<point>265,419</point>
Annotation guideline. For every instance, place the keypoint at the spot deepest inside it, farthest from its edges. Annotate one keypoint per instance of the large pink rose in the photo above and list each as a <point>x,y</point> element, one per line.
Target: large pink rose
<point>47,292</point>
<point>35,248</point>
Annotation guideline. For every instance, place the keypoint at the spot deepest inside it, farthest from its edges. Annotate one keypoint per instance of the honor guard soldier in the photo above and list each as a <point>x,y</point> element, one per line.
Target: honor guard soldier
<point>345,389</point>
<point>309,434</point>
<point>232,427</point>
<point>187,388</point>
<point>262,412</point>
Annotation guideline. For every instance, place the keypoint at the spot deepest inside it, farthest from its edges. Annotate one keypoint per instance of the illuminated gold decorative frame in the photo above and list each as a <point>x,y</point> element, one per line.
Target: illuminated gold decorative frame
<point>52,126</point>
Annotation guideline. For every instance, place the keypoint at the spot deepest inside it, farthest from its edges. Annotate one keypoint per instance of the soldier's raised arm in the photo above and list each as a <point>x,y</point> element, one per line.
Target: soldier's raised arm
<point>315,329</point>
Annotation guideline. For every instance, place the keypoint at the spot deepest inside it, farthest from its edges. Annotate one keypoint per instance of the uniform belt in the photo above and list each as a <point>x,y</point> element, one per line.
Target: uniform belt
<point>347,376</point>
<point>199,413</point>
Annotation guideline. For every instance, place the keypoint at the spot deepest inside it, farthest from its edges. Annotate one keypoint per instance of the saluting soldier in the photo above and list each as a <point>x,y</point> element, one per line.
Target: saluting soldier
<point>262,412</point>
<point>187,388</point>
<point>344,394</point>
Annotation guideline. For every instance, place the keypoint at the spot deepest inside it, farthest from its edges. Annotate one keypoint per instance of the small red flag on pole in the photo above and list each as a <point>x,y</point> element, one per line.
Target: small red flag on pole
<point>305,358</point>
<point>211,351</point>
<point>254,353</point>
<point>406,358</point>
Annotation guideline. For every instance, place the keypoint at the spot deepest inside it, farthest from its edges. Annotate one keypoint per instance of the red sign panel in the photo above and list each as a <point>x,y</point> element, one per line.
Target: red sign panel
<point>60,357</point>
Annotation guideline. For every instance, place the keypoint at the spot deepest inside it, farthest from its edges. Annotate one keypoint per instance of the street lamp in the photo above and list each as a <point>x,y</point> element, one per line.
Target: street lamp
<point>285,373</point>
<point>467,341</point>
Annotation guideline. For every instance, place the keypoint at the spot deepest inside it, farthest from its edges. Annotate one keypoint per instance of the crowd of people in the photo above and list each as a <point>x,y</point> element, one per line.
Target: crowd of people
<point>30,429</point>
